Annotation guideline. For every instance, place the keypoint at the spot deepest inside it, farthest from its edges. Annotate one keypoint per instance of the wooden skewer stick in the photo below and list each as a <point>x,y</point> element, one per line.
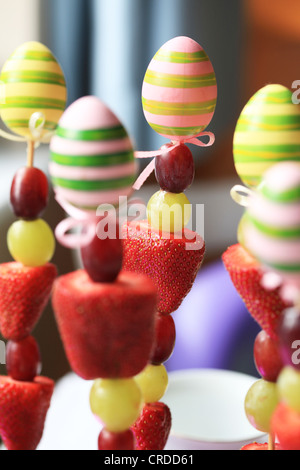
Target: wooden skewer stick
<point>271,442</point>
<point>30,153</point>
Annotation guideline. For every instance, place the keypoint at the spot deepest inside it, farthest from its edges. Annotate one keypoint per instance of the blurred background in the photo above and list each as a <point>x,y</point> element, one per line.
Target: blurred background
<point>104,47</point>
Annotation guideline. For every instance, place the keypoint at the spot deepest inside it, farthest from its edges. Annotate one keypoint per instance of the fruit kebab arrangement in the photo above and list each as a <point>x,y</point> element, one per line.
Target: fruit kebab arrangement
<point>114,315</point>
<point>265,265</point>
<point>30,79</point>
<point>105,315</point>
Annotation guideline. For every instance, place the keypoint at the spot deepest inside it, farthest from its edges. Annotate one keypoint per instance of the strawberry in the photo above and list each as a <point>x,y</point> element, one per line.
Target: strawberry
<point>286,426</point>
<point>256,446</point>
<point>107,328</point>
<point>265,306</point>
<point>24,293</point>
<point>23,410</point>
<point>171,262</point>
<point>153,427</point>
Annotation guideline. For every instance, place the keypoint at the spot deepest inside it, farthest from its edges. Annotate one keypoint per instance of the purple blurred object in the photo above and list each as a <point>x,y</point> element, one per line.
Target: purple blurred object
<point>213,326</point>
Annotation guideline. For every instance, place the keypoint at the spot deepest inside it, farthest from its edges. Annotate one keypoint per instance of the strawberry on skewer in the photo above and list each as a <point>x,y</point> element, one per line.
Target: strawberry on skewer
<point>165,259</point>
<point>107,328</point>
<point>153,427</point>
<point>256,446</point>
<point>245,272</point>
<point>23,410</point>
<point>24,293</point>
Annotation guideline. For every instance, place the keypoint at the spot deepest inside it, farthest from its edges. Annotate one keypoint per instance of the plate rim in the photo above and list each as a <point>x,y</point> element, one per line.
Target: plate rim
<point>210,371</point>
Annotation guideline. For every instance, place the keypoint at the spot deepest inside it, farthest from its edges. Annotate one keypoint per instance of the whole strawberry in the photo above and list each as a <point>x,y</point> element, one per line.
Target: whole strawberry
<point>23,410</point>
<point>153,427</point>
<point>171,263</point>
<point>24,293</point>
<point>107,329</point>
<point>265,306</point>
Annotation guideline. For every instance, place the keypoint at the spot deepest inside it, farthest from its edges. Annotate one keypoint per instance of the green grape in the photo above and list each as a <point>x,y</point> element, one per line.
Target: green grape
<point>116,402</point>
<point>153,382</point>
<point>169,212</point>
<point>260,404</point>
<point>289,388</point>
<point>31,243</point>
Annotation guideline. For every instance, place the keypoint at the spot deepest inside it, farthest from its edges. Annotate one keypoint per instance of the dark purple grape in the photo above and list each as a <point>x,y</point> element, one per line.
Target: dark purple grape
<point>29,193</point>
<point>175,169</point>
<point>103,258</point>
<point>267,357</point>
<point>289,337</point>
<point>23,359</point>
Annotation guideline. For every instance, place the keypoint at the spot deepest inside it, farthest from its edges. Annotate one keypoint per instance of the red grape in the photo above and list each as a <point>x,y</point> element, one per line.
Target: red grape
<point>165,337</point>
<point>175,169</point>
<point>267,357</point>
<point>29,193</point>
<point>116,441</point>
<point>23,359</point>
<point>103,258</point>
<point>289,337</point>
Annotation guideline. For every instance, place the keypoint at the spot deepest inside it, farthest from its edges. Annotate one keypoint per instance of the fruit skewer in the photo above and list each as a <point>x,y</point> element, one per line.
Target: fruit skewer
<point>25,288</point>
<point>105,316</point>
<point>264,267</point>
<point>179,99</point>
<point>29,78</point>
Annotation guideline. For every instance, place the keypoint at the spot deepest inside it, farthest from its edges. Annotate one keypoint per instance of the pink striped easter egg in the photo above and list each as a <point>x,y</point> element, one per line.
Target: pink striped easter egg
<point>179,93</point>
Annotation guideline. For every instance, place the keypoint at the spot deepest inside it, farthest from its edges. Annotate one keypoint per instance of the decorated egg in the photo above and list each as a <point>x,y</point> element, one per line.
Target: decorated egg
<point>270,228</point>
<point>92,159</point>
<point>267,132</point>
<point>33,82</point>
<point>179,93</point>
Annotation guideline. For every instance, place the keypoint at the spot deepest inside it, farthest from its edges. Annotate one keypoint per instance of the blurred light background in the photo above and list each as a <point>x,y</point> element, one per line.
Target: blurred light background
<point>104,47</point>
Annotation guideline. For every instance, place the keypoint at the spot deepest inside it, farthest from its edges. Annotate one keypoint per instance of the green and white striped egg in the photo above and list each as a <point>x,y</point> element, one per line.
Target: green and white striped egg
<point>270,229</point>
<point>92,158</point>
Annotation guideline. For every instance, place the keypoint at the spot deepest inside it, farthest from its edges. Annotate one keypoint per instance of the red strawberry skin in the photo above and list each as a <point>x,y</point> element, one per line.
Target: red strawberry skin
<point>266,307</point>
<point>256,446</point>
<point>24,294</point>
<point>107,329</point>
<point>153,427</point>
<point>23,410</point>
<point>286,426</point>
<point>165,260</point>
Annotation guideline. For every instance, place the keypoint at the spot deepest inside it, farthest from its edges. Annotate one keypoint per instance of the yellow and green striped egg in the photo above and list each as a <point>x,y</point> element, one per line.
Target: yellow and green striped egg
<point>267,132</point>
<point>32,81</point>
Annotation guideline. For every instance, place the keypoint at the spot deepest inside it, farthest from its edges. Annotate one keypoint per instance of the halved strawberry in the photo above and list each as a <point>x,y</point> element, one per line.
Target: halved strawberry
<point>256,446</point>
<point>286,426</point>
<point>265,306</point>
<point>108,329</point>
<point>153,427</point>
<point>23,410</point>
<point>24,293</point>
<point>172,263</point>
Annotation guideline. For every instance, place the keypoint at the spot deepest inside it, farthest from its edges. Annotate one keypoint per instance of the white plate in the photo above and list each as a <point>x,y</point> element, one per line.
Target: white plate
<point>208,410</point>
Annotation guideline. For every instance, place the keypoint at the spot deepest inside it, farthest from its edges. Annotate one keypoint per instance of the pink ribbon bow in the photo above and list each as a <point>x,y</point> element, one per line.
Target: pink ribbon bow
<point>148,170</point>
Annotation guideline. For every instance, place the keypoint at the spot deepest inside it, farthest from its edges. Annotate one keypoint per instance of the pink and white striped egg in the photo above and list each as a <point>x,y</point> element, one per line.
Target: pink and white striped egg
<point>179,93</point>
<point>92,158</point>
